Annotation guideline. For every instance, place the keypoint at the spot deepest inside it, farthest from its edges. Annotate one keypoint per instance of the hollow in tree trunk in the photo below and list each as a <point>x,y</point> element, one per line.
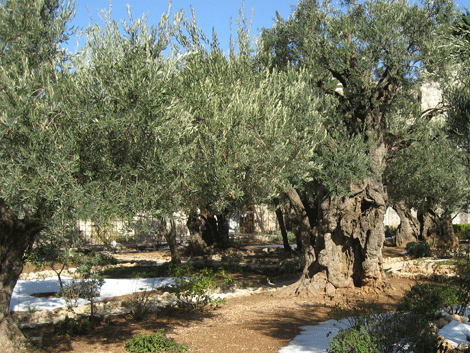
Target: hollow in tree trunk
<point>16,235</point>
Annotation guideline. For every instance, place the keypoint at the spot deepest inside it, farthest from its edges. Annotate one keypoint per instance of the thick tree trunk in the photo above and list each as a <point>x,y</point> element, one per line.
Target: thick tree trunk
<point>438,231</point>
<point>282,226</point>
<point>347,236</point>
<point>223,229</point>
<point>307,236</point>
<point>196,242</point>
<point>409,228</point>
<point>16,235</point>
<point>170,236</point>
<point>345,247</point>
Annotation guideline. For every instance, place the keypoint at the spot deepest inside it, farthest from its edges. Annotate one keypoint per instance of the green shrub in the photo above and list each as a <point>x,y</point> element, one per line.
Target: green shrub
<point>386,333</point>
<point>353,340</point>
<point>276,237</point>
<point>418,249</point>
<point>404,332</point>
<point>426,299</point>
<point>462,231</point>
<point>103,260</point>
<point>89,287</point>
<point>75,289</point>
<point>193,288</point>
<point>76,327</point>
<point>462,285</point>
<point>157,342</point>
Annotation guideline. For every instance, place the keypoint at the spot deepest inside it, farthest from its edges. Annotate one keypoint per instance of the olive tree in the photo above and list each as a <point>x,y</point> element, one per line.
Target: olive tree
<point>457,92</point>
<point>252,132</point>
<point>436,189</point>
<point>370,57</point>
<point>37,165</point>
<point>120,93</point>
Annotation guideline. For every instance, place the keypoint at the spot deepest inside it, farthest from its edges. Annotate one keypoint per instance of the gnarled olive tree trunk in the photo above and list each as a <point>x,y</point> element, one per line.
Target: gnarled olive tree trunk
<point>438,230</point>
<point>170,236</point>
<point>196,242</point>
<point>346,236</point>
<point>409,228</point>
<point>223,228</point>
<point>344,247</point>
<point>16,235</point>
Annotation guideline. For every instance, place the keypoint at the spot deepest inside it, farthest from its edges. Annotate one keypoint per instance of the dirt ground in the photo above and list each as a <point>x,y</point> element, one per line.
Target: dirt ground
<point>261,321</point>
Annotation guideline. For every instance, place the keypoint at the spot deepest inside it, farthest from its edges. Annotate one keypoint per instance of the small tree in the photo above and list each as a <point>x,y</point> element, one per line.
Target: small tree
<point>88,287</point>
<point>437,188</point>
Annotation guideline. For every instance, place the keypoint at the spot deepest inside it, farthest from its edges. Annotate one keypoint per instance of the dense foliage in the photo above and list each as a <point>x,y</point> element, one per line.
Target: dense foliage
<point>156,342</point>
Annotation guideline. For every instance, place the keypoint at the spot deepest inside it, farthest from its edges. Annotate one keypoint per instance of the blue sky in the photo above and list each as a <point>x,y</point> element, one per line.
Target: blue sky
<point>209,14</point>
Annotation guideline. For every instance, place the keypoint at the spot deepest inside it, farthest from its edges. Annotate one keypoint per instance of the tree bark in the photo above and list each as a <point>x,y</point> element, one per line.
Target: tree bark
<point>307,235</point>
<point>438,230</point>
<point>409,228</point>
<point>196,242</point>
<point>16,235</point>
<point>282,226</point>
<point>223,228</point>
<point>170,236</point>
<point>345,246</point>
<point>346,235</point>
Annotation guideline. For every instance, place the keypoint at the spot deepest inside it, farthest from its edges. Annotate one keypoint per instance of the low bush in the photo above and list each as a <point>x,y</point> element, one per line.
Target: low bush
<point>75,289</point>
<point>194,287</point>
<point>76,327</point>
<point>276,237</point>
<point>418,249</point>
<point>157,342</point>
<point>386,333</point>
<point>462,284</point>
<point>426,299</point>
<point>101,259</point>
<point>353,340</point>
<point>88,288</point>
<point>462,231</point>
<point>140,304</point>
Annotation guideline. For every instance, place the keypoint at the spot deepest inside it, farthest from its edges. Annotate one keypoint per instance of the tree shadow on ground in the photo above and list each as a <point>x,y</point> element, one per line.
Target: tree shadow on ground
<point>287,323</point>
<point>116,330</point>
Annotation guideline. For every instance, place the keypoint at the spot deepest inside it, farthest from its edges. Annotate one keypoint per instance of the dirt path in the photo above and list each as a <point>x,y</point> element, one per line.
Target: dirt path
<point>263,321</point>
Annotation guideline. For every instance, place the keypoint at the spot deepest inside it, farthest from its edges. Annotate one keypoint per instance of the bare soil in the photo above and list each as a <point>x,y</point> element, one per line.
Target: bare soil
<point>260,321</point>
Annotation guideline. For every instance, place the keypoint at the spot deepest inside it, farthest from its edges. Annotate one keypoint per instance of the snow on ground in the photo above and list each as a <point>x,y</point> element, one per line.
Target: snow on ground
<point>456,332</point>
<point>22,300</point>
<point>313,339</point>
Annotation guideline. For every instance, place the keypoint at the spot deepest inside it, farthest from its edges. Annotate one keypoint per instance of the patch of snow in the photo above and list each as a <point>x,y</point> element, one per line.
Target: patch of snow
<point>314,339</point>
<point>456,332</point>
<point>22,298</point>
